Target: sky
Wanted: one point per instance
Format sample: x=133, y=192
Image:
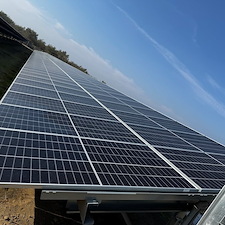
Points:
x=167, y=54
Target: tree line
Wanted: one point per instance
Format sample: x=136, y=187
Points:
x=39, y=44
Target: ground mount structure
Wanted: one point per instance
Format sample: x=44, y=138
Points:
x=78, y=139
x=7, y=31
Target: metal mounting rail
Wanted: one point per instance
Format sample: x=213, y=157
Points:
x=215, y=214
x=87, y=202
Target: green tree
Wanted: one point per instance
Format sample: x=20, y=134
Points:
x=39, y=44
x=32, y=36
x=7, y=19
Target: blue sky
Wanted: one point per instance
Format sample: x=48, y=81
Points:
x=168, y=54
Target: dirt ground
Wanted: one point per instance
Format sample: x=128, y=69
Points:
x=24, y=207
x=17, y=206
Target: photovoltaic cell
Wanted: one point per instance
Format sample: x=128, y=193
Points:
x=33, y=101
x=66, y=85
x=173, y=125
x=161, y=137
x=37, y=77
x=79, y=99
x=130, y=165
x=35, y=83
x=77, y=92
x=118, y=107
x=102, y=129
x=35, y=120
x=137, y=119
x=39, y=158
x=220, y=157
x=53, y=131
x=199, y=166
x=151, y=113
x=34, y=91
x=85, y=110
x=202, y=143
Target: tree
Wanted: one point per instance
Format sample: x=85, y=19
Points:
x=32, y=36
x=63, y=56
x=39, y=44
x=7, y=19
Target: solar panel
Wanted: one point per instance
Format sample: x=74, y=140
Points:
x=33, y=101
x=60, y=127
x=34, y=91
x=35, y=120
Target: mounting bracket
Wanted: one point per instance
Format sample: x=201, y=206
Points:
x=84, y=207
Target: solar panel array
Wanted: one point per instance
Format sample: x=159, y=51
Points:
x=61, y=127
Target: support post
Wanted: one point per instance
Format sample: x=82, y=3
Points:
x=199, y=207
x=84, y=207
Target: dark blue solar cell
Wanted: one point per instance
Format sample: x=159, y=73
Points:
x=39, y=144
x=35, y=176
x=2, y=159
x=53, y=177
x=62, y=178
x=44, y=177
x=35, y=120
x=43, y=164
x=16, y=175
x=36, y=102
x=34, y=83
x=26, y=176
x=34, y=91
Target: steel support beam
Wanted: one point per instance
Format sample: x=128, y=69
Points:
x=84, y=207
x=187, y=217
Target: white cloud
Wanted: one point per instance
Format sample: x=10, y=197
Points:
x=22, y=12
x=53, y=32
x=214, y=84
x=180, y=67
x=195, y=33
x=59, y=26
x=103, y=70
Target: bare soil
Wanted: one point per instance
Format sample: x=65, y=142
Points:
x=24, y=207
x=17, y=206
